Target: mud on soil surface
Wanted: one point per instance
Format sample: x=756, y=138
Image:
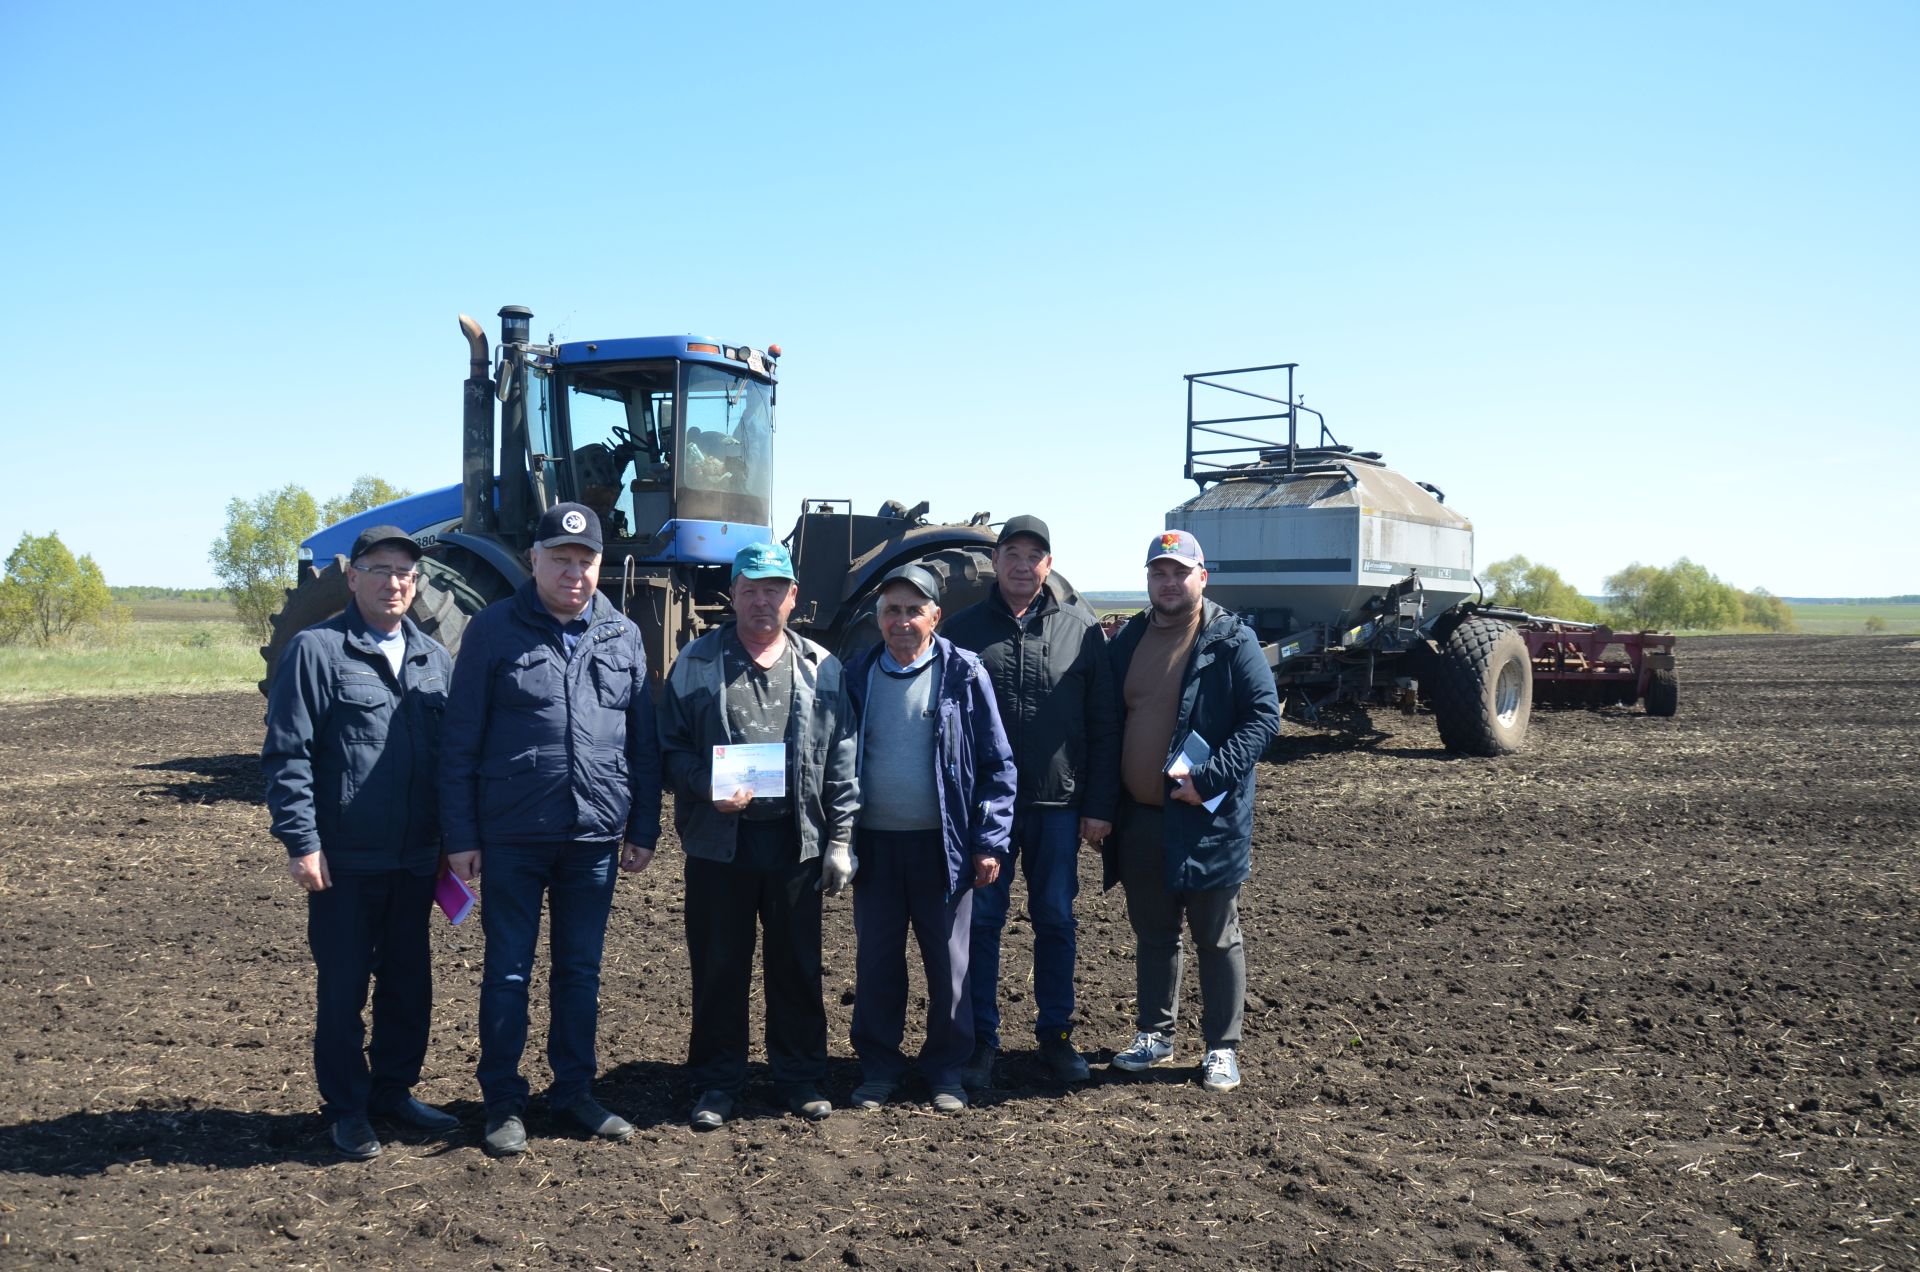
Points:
x=1644, y=996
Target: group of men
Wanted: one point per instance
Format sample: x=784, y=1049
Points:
x=919, y=772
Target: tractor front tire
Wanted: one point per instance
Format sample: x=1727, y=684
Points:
x=1483, y=689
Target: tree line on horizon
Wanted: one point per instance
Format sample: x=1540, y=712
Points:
x=1684, y=596
x=48, y=595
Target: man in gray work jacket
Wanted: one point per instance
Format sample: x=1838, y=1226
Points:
x=551, y=775
x=353, y=730
x=757, y=856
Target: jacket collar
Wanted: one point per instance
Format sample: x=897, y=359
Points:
x=708, y=650
x=1042, y=605
x=526, y=603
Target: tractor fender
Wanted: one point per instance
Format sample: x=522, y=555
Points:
x=510, y=565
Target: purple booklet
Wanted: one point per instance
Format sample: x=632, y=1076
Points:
x=453, y=896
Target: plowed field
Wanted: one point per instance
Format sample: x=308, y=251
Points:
x=1643, y=996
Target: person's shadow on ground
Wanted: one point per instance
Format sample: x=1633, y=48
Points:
x=84, y=1144
x=224, y=778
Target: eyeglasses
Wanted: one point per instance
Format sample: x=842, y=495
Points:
x=405, y=578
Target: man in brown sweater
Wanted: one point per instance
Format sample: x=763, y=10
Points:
x=1199, y=707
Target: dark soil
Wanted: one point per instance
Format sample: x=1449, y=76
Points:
x=1643, y=996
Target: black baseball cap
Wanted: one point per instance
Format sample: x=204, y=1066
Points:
x=1032, y=527
x=568, y=523
x=917, y=577
x=379, y=536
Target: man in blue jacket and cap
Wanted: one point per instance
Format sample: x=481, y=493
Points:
x=353, y=730
x=551, y=777
x=937, y=785
x=1199, y=707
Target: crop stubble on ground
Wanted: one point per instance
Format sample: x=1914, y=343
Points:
x=1642, y=997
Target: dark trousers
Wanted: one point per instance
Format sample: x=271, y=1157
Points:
x=576, y=882
x=902, y=883
x=370, y=926
x=766, y=887
x=1213, y=916
x=1046, y=844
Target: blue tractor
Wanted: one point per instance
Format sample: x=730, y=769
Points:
x=670, y=440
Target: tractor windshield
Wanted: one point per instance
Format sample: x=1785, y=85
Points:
x=726, y=448
x=641, y=456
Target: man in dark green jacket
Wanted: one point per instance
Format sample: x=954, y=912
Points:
x=353, y=732
x=1200, y=708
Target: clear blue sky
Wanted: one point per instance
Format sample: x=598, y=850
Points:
x=1629, y=281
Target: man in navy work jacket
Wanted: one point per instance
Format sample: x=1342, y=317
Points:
x=937, y=785
x=551, y=775
x=1053, y=683
x=759, y=859
x=353, y=731
x=1193, y=681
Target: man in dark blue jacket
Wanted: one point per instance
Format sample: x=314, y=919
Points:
x=353, y=730
x=551, y=775
x=937, y=786
x=1200, y=707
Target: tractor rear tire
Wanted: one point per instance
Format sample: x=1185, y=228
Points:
x=1483, y=689
x=1663, y=692
x=455, y=584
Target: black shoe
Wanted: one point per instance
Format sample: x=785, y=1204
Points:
x=593, y=1119
x=353, y=1136
x=977, y=1073
x=506, y=1135
x=805, y=1101
x=1063, y=1062
x=421, y=1117
x=712, y=1112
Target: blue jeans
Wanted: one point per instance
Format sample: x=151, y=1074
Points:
x=577, y=881
x=1046, y=842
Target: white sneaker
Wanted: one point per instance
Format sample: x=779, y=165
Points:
x=1148, y=1049
x=1220, y=1071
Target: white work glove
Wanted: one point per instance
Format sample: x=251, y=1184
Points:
x=836, y=868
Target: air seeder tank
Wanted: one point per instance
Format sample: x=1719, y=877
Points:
x=1303, y=536
x=1313, y=541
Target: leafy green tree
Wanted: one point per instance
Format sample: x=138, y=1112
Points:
x=1687, y=596
x=1875, y=623
x=257, y=555
x=46, y=593
x=1630, y=596
x=367, y=492
x=1538, y=589
x=1762, y=609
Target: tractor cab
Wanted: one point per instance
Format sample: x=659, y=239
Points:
x=668, y=438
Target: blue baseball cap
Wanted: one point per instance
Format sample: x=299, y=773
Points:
x=763, y=561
